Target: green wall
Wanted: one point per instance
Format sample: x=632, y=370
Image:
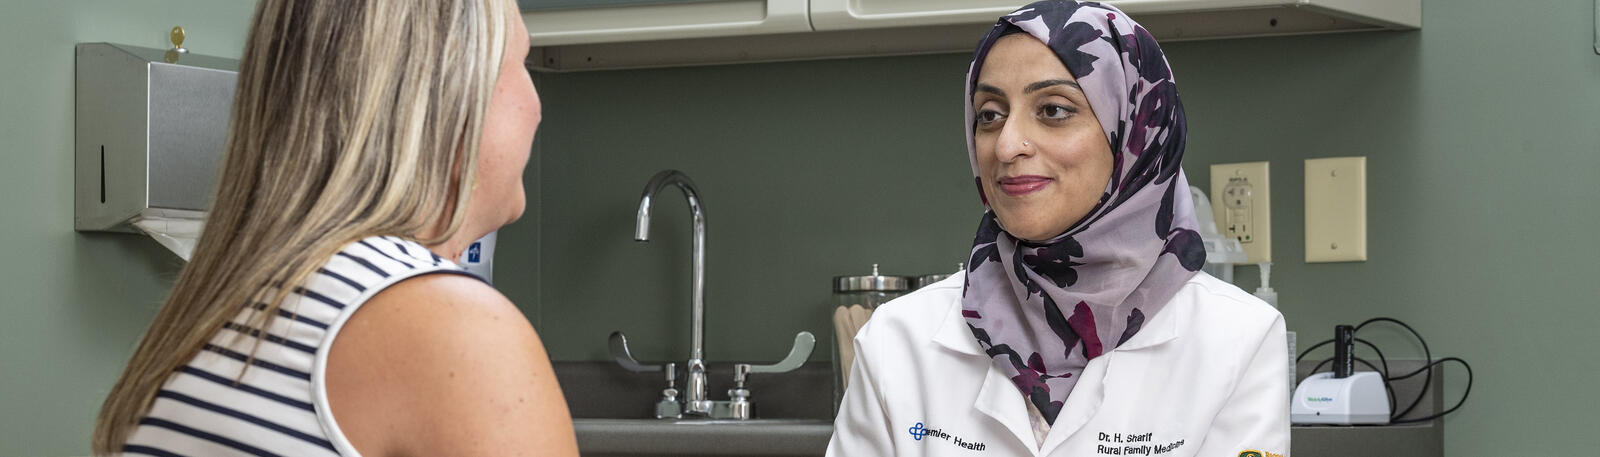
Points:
x=1479, y=132
x=75, y=304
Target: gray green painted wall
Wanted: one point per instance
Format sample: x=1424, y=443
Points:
x=74, y=304
x=1479, y=131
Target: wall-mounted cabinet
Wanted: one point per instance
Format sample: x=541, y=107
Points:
x=566, y=22
x=604, y=34
x=1192, y=19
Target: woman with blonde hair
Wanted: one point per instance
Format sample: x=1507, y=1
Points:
x=371, y=141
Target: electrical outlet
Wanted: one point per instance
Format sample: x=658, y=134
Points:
x=1336, y=209
x=1243, y=206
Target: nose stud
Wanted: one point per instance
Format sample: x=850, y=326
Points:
x=1024, y=144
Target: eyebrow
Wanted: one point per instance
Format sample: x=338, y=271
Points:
x=1051, y=82
x=1035, y=87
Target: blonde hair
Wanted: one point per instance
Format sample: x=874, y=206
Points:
x=351, y=118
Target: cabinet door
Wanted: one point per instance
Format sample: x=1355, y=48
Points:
x=563, y=22
x=865, y=14
x=1202, y=18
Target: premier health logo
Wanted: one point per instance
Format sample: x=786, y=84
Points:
x=920, y=430
x=917, y=432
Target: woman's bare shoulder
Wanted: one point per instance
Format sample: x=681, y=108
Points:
x=445, y=364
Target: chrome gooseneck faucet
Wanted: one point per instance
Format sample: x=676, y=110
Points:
x=738, y=405
x=695, y=401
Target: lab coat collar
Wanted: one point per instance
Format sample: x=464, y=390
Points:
x=997, y=398
x=1160, y=328
x=1081, y=404
x=953, y=332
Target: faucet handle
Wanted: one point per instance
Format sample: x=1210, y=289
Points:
x=620, y=353
x=804, y=342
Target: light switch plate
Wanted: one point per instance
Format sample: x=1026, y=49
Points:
x=1336, y=209
x=1243, y=206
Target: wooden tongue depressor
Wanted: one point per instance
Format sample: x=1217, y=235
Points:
x=858, y=319
x=844, y=333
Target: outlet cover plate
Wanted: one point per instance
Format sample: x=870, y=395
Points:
x=1258, y=248
x=1336, y=209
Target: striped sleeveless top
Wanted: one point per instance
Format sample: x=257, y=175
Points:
x=280, y=406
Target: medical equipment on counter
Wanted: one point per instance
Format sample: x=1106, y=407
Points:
x=1347, y=397
x=1343, y=397
x=1325, y=398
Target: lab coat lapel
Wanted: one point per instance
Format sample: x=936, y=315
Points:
x=1000, y=400
x=1081, y=405
x=998, y=397
x=1089, y=394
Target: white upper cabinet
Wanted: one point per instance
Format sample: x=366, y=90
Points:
x=570, y=35
x=564, y=22
x=1169, y=19
x=863, y=14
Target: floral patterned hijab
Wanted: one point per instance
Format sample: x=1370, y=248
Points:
x=1043, y=310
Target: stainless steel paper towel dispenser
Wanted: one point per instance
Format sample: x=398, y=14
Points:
x=151, y=129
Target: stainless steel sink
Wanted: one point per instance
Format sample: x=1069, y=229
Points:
x=656, y=437
x=612, y=410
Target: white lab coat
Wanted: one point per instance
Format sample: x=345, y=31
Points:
x=1206, y=376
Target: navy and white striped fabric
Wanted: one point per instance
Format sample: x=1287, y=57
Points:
x=280, y=406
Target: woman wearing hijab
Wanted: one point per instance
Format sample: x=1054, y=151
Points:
x=1082, y=325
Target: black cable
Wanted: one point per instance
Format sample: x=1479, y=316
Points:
x=1381, y=359
x=1426, y=354
x=1452, y=409
x=1312, y=348
x=1319, y=366
x=1413, y=373
x=1387, y=379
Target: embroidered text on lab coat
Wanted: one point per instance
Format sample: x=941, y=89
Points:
x=919, y=431
x=1133, y=444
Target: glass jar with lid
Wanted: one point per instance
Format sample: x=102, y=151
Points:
x=854, y=298
x=869, y=290
x=928, y=280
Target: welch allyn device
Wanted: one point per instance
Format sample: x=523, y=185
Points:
x=1345, y=396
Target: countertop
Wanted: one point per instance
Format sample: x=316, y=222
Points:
x=611, y=407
